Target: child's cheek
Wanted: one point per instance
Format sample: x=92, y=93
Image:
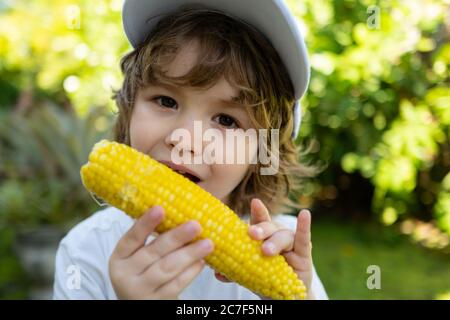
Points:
x=241, y=149
x=144, y=129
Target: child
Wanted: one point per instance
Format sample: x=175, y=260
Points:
x=210, y=64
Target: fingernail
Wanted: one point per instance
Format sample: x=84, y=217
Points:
x=156, y=212
x=257, y=231
x=192, y=226
x=206, y=244
x=305, y=211
x=269, y=247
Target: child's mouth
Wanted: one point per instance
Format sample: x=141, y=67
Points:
x=189, y=176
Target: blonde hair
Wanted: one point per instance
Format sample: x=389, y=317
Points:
x=232, y=49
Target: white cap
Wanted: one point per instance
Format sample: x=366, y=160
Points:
x=271, y=17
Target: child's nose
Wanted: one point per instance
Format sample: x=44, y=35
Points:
x=187, y=137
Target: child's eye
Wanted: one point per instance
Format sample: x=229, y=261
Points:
x=165, y=101
x=227, y=121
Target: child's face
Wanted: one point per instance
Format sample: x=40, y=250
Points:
x=158, y=111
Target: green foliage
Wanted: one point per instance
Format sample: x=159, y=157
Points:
x=443, y=204
x=379, y=100
x=41, y=156
x=62, y=47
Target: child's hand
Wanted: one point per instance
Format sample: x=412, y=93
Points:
x=163, y=268
x=295, y=247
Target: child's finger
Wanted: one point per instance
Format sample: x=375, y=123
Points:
x=262, y=230
x=164, y=244
x=280, y=241
x=174, y=287
x=136, y=236
x=170, y=266
x=299, y=263
x=258, y=212
x=302, y=242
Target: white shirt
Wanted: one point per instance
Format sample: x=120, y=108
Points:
x=83, y=255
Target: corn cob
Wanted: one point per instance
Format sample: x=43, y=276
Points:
x=134, y=182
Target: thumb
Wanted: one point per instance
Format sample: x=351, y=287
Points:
x=258, y=212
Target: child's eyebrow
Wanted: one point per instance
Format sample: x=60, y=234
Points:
x=168, y=87
x=232, y=102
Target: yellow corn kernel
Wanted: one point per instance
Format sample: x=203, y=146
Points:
x=134, y=182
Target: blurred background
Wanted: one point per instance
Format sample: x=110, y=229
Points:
x=376, y=116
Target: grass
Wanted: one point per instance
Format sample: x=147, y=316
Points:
x=342, y=252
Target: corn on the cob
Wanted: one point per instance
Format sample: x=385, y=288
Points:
x=134, y=182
